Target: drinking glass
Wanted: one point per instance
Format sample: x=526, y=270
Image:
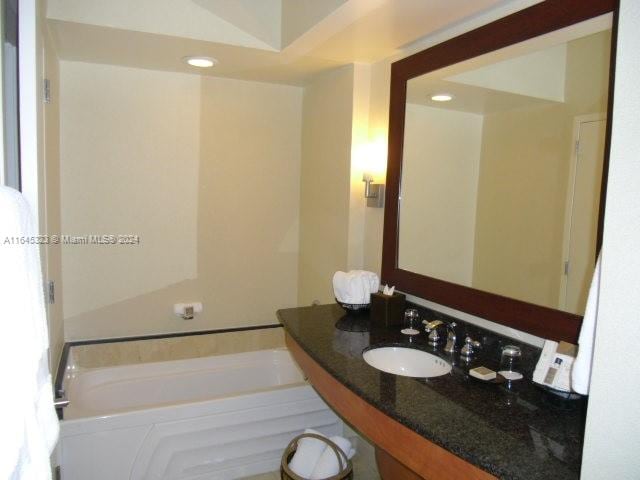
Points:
x=411, y=322
x=510, y=363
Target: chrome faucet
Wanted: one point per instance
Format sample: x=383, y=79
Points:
x=432, y=329
x=61, y=400
x=470, y=346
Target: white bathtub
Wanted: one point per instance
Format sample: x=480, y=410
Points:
x=220, y=417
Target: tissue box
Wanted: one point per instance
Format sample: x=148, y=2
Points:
x=387, y=311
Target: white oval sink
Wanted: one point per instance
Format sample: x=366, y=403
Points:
x=407, y=362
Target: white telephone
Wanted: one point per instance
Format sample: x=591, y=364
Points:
x=554, y=367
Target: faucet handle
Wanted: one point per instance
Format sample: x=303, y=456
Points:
x=432, y=329
x=469, y=346
x=431, y=325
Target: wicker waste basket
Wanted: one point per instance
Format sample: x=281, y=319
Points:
x=346, y=468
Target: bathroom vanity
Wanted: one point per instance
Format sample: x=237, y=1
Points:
x=447, y=427
x=497, y=165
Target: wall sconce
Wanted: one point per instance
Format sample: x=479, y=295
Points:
x=373, y=192
x=371, y=160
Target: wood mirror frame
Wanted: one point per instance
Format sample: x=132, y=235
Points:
x=542, y=18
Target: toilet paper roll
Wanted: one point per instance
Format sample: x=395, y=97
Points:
x=179, y=308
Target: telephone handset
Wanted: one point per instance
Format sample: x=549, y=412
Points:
x=554, y=367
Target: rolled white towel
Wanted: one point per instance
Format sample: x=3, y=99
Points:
x=372, y=282
x=307, y=454
x=347, y=287
x=358, y=287
x=341, y=287
x=355, y=286
x=328, y=465
x=375, y=283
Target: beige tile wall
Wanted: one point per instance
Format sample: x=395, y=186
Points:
x=189, y=124
x=176, y=348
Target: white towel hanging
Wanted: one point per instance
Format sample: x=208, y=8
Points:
x=29, y=423
x=581, y=372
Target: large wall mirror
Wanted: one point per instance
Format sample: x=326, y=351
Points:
x=497, y=161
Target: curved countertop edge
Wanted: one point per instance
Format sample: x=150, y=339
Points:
x=408, y=447
x=312, y=327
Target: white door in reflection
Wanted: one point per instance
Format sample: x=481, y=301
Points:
x=581, y=224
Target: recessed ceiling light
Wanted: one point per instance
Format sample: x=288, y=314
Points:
x=202, y=62
x=441, y=97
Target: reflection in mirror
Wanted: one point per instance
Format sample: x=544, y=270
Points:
x=500, y=187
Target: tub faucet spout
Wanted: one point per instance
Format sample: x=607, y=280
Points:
x=61, y=402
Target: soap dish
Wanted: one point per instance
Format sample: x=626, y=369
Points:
x=497, y=380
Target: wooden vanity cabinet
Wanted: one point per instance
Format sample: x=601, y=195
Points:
x=401, y=453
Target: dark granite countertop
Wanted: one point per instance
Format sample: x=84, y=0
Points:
x=523, y=433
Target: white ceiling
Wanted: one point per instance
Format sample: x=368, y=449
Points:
x=540, y=74
x=282, y=41
x=528, y=74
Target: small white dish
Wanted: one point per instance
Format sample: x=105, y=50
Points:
x=508, y=375
x=409, y=331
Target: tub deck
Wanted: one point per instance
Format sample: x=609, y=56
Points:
x=112, y=390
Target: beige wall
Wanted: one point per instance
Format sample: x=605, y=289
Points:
x=519, y=242
x=130, y=154
x=205, y=171
x=110, y=354
x=361, y=152
x=378, y=122
x=325, y=183
x=433, y=240
x=335, y=152
x=249, y=200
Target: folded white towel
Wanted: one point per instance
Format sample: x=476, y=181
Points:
x=361, y=285
x=374, y=283
x=581, y=372
x=328, y=464
x=29, y=423
x=340, y=290
x=307, y=454
x=355, y=287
